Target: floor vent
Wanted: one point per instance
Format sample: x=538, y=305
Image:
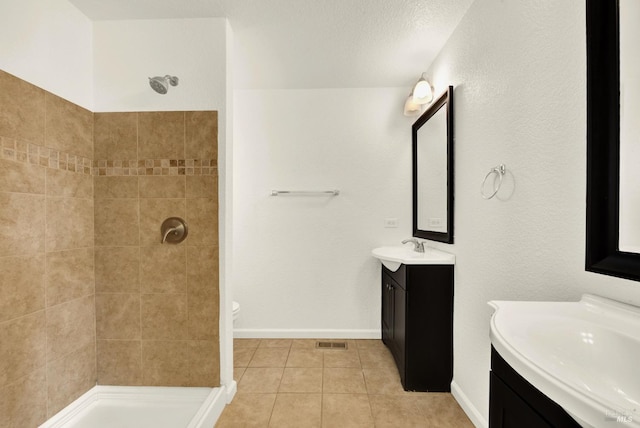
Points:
x=331, y=345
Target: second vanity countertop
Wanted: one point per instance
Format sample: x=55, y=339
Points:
x=583, y=355
x=393, y=257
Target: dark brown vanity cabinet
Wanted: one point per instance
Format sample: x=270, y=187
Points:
x=515, y=403
x=417, y=324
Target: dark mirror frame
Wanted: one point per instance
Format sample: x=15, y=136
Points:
x=445, y=100
x=603, y=144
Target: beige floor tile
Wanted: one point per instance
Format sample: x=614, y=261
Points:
x=374, y=357
x=246, y=343
x=238, y=372
x=303, y=344
x=275, y=343
x=369, y=343
x=392, y=411
x=242, y=356
x=442, y=410
x=344, y=359
x=289, y=383
x=301, y=380
x=382, y=381
x=297, y=411
x=305, y=358
x=343, y=381
x=346, y=411
x=247, y=410
x=263, y=380
x=269, y=357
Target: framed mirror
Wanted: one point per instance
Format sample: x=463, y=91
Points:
x=613, y=216
x=432, y=136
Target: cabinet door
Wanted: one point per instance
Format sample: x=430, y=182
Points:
x=512, y=398
x=387, y=310
x=399, y=328
x=508, y=410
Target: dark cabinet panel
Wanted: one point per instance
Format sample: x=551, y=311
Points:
x=515, y=403
x=400, y=329
x=388, y=303
x=417, y=324
x=508, y=410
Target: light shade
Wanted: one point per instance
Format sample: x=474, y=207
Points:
x=422, y=93
x=411, y=108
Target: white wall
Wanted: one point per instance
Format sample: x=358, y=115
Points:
x=48, y=43
x=520, y=99
x=225, y=227
x=303, y=265
x=127, y=53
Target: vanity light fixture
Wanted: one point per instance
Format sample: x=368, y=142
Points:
x=421, y=94
x=411, y=108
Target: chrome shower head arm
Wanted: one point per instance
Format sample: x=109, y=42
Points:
x=173, y=80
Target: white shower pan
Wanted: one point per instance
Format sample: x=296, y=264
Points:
x=135, y=407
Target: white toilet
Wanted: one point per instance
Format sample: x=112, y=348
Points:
x=236, y=310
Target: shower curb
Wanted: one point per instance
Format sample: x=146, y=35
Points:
x=213, y=401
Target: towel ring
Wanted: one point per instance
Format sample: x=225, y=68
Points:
x=499, y=171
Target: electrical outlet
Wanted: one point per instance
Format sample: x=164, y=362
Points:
x=390, y=222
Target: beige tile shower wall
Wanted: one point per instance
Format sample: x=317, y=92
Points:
x=156, y=304
x=47, y=309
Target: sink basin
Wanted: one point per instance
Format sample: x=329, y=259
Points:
x=393, y=257
x=583, y=355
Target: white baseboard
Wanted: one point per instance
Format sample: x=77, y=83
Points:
x=247, y=333
x=476, y=418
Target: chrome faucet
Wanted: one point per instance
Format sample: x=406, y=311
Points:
x=418, y=246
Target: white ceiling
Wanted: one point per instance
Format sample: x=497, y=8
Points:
x=313, y=43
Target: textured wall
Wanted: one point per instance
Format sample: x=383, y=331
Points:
x=156, y=305
x=128, y=52
x=47, y=333
x=303, y=265
x=49, y=43
x=518, y=69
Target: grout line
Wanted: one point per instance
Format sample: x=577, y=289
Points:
x=139, y=282
x=93, y=248
x=46, y=302
x=137, y=136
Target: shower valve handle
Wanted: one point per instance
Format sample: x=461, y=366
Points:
x=173, y=230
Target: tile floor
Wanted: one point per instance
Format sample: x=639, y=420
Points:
x=289, y=383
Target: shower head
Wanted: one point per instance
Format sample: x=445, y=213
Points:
x=161, y=84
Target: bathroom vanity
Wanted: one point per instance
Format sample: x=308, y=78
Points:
x=417, y=316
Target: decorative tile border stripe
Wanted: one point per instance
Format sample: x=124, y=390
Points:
x=34, y=154
x=20, y=151
x=155, y=167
